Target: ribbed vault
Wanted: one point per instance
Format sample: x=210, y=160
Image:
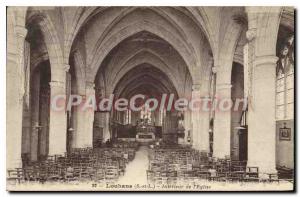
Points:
x=108, y=27
x=144, y=79
x=145, y=56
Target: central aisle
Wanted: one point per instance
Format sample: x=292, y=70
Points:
x=136, y=170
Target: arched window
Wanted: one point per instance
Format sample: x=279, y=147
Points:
x=128, y=117
x=285, y=81
x=162, y=113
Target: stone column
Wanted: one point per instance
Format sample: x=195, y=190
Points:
x=165, y=123
x=58, y=118
x=106, y=132
x=261, y=116
x=34, y=101
x=187, y=125
x=196, y=117
x=26, y=131
x=14, y=95
x=173, y=121
x=79, y=124
x=44, y=121
x=101, y=120
x=83, y=134
x=204, y=116
x=237, y=93
x=200, y=120
x=26, y=123
x=261, y=96
x=155, y=117
x=235, y=147
x=204, y=131
x=90, y=91
x=222, y=121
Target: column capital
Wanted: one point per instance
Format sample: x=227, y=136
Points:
x=59, y=71
x=196, y=87
x=57, y=84
x=21, y=31
x=265, y=60
x=223, y=86
x=251, y=34
x=89, y=88
x=214, y=69
x=60, y=68
x=211, y=61
x=98, y=88
x=90, y=85
x=66, y=68
x=219, y=69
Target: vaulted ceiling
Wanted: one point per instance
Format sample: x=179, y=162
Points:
x=104, y=43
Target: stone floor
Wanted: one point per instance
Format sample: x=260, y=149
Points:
x=136, y=171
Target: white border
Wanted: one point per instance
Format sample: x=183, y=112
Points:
x=152, y=3
x=3, y=5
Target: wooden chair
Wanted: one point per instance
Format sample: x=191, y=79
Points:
x=252, y=174
x=15, y=175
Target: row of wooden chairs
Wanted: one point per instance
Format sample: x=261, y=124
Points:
x=100, y=164
x=126, y=144
x=184, y=163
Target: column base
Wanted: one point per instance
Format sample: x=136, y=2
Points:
x=204, y=151
x=181, y=141
x=268, y=175
x=221, y=155
x=196, y=146
x=85, y=145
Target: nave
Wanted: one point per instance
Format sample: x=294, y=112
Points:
x=168, y=55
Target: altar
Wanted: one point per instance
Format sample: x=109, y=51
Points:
x=145, y=137
x=145, y=133
x=145, y=128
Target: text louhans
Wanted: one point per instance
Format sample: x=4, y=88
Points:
x=138, y=102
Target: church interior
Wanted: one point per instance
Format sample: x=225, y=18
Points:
x=189, y=52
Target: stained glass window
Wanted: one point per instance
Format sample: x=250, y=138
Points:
x=128, y=117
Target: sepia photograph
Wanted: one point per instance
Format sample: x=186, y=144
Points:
x=150, y=98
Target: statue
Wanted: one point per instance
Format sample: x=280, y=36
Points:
x=286, y=58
